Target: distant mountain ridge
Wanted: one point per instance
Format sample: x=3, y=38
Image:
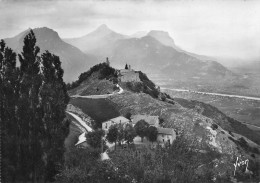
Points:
x=73, y=60
x=155, y=52
x=96, y=40
x=163, y=37
x=152, y=52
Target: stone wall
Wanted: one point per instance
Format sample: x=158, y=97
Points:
x=129, y=76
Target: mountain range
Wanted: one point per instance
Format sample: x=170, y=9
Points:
x=73, y=60
x=153, y=52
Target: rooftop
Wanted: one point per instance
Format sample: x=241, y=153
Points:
x=119, y=119
x=167, y=131
x=151, y=120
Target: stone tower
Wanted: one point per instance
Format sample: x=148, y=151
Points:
x=107, y=61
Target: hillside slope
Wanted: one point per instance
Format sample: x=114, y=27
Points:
x=202, y=125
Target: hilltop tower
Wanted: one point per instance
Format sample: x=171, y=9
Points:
x=126, y=66
x=107, y=61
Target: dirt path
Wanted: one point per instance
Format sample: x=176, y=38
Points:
x=99, y=96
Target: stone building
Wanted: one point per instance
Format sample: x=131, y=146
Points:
x=129, y=75
x=165, y=135
x=118, y=120
x=151, y=120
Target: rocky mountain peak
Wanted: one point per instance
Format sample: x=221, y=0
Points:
x=45, y=33
x=102, y=30
x=163, y=37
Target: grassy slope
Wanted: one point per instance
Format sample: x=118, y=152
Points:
x=99, y=110
x=221, y=119
x=72, y=138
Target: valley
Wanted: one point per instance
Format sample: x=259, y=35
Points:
x=241, y=108
x=130, y=91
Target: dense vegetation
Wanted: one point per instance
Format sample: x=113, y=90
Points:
x=33, y=102
x=105, y=72
x=176, y=163
x=84, y=165
x=146, y=86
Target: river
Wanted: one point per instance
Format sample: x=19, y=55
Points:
x=216, y=94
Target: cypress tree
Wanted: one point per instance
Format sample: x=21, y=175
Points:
x=8, y=97
x=33, y=100
x=29, y=112
x=54, y=99
x=126, y=66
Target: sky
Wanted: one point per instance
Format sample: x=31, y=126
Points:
x=228, y=29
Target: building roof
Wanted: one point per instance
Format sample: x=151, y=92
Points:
x=166, y=131
x=151, y=120
x=126, y=71
x=119, y=119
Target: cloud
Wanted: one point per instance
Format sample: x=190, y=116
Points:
x=224, y=28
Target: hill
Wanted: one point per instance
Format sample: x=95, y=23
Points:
x=201, y=124
x=73, y=60
x=102, y=79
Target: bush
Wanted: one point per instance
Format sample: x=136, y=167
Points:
x=128, y=115
x=214, y=126
x=105, y=72
x=115, y=88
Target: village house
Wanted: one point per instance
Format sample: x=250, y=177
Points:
x=151, y=120
x=118, y=120
x=165, y=135
x=128, y=75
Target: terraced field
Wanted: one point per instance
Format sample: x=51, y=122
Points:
x=99, y=110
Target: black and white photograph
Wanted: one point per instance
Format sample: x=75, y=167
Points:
x=130, y=91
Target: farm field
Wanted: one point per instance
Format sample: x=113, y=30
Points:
x=98, y=109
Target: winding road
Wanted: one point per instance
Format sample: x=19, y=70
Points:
x=99, y=96
x=82, y=124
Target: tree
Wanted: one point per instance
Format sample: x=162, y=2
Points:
x=178, y=163
x=126, y=66
x=54, y=99
x=8, y=121
x=34, y=101
x=161, y=121
x=95, y=138
x=130, y=133
x=79, y=163
x=152, y=133
x=128, y=115
x=121, y=133
x=83, y=165
x=112, y=134
x=141, y=128
x=29, y=111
